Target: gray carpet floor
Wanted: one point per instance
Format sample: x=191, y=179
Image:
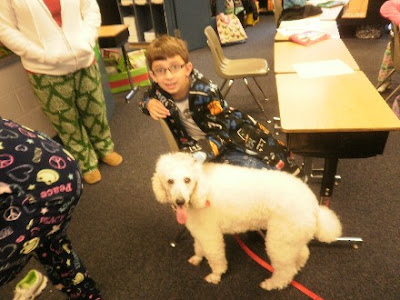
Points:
x=122, y=234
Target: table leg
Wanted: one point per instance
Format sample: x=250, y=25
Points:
x=134, y=89
x=328, y=180
x=327, y=184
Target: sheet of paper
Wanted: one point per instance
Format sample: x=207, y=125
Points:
x=288, y=28
x=322, y=68
x=316, y=2
x=329, y=14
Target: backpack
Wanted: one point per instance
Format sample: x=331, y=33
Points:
x=230, y=29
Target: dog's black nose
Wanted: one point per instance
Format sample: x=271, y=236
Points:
x=180, y=202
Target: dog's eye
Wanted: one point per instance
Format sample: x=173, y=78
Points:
x=170, y=181
x=187, y=180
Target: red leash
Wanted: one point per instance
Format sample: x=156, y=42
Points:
x=265, y=265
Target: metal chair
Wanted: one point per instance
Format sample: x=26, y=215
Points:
x=277, y=11
x=231, y=69
x=172, y=144
x=395, y=52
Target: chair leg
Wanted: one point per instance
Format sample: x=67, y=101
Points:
x=265, y=97
x=392, y=93
x=223, y=85
x=230, y=83
x=179, y=237
x=277, y=125
x=255, y=99
x=386, y=79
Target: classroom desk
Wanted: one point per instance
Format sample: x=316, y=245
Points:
x=355, y=9
x=286, y=28
x=288, y=53
x=116, y=36
x=333, y=117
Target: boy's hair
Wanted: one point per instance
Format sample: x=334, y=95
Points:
x=164, y=47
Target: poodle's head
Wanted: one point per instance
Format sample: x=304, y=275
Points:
x=176, y=181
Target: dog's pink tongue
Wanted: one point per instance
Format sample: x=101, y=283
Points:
x=181, y=215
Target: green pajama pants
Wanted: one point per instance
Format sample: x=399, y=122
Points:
x=75, y=105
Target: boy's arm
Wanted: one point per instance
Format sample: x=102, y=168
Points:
x=151, y=106
x=146, y=98
x=208, y=148
x=391, y=10
x=212, y=145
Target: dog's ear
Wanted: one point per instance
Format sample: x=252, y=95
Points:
x=158, y=189
x=200, y=192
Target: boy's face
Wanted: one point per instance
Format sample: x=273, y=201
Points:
x=172, y=75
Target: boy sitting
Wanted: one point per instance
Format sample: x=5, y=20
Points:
x=200, y=119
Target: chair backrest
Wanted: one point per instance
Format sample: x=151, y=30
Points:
x=172, y=144
x=277, y=10
x=396, y=47
x=216, y=50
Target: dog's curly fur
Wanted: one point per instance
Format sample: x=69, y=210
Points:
x=215, y=199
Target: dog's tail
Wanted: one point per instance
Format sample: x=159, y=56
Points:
x=328, y=227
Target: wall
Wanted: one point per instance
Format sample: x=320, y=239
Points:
x=17, y=101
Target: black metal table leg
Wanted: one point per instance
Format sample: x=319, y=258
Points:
x=133, y=89
x=328, y=180
x=327, y=184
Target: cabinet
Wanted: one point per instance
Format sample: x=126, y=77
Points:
x=145, y=18
x=266, y=5
x=150, y=18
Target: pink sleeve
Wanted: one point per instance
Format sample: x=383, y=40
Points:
x=391, y=10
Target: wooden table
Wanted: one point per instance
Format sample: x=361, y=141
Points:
x=288, y=53
x=355, y=9
x=333, y=117
x=116, y=36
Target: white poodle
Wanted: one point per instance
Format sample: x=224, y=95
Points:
x=214, y=199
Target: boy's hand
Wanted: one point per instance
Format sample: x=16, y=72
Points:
x=157, y=110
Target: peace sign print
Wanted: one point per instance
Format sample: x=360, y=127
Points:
x=57, y=162
x=6, y=160
x=12, y=213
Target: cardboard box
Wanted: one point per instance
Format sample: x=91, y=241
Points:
x=119, y=82
x=118, y=76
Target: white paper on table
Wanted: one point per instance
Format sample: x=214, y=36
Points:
x=316, y=2
x=288, y=28
x=302, y=23
x=329, y=14
x=322, y=68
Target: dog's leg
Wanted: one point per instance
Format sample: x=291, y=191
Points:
x=303, y=257
x=284, y=256
x=214, y=249
x=198, y=254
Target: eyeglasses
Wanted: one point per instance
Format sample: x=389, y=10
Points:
x=173, y=70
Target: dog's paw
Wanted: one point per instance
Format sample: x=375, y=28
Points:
x=270, y=285
x=213, y=278
x=195, y=260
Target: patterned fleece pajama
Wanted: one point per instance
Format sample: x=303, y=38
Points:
x=74, y=103
x=40, y=185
